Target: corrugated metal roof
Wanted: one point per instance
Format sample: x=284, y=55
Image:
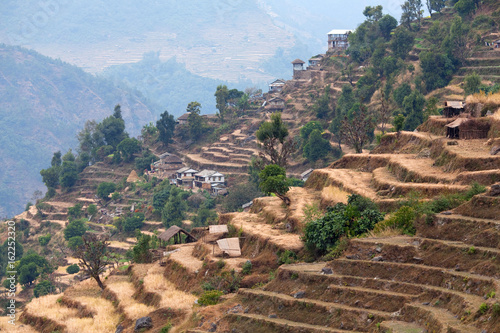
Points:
x=216, y=229
x=206, y=173
x=339, y=32
x=454, y=104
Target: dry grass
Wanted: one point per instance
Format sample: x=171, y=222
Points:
x=331, y=195
x=6, y=327
x=105, y=319
x=171, y=297
x=185, y=257
x=484, y=99
x=47, y=306
x=124, y=291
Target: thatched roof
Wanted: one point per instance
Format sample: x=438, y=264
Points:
x=298, y=61
x=172, y=231
x=132, y=177
x=457, y=122
x=231, y=246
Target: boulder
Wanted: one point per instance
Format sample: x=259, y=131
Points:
x=144, y=322
x=494, y=190
x=299, y=294
x=495, y=150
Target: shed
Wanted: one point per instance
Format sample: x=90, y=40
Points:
x=453, y=108
x=219, y=228
x=175, y=232
x=230, y=246
x=465, y=128
x=305, y=175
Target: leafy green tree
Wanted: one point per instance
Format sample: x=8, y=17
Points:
x=31, y=266
x=273, y=180
x=43, y=288
x=113, y=130
x=56, y=159
x=174, y=211
x=166, y=127
x=437, y=69
x=431, y=107
x=435, y=5
x=75, y=228
x=240, y=195
x=69, y=174
x=117, y=112
x=472, y=84
x=373, y=13
x=308, y=128
x=133, y=222
x=72, y=269
x=195, y=123
x=128, y=147
x=105, y=189
x=44, y=240
x=402, y=42
x=322, y=107
x=398, y=122
x=92, y=210
x=413, y=106
x=316, y=147
x=75, y=212
x=19, y=250
x=204, y=216
x=400, y=93
x=221, y=97
x=141, y=253
x=411, y=11
x=465, y=7
x=386, y=24
x=28, y=273
x=144, y=162
x=91, y=139
x=274, y=141
x=75, y=242
x=50, y=176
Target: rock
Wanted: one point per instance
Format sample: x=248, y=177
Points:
x=246, y=310
x=452, y=143
x=299, y=294
x=144, y=322
x=495, y=150
x=447, y=213
x=494, y=190
x=457, y=268
x=489, y=142
x=426, y=303
x=213, y=327
x=378, y=249
x=236, y=309
x=352, y=256
x=119, y=329
x=326, y=270
x=273, y=316
x=378, y=258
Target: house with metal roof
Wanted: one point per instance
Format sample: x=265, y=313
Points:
x=337, y=39
x=207, y=179
x=185, y=176
x=183, y=119
x=276, y=85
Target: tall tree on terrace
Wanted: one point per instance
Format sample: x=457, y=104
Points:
x=412, y=10
x=166, y=127
x=92, y=256
x=221, y=97
x=195, y=122
x=274, y=141
x=357, y=127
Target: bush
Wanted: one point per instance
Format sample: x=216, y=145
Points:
x=402, y=219
x=286, y=257
x=210, y=297
x=45, y=287
x=133, y=222
x=105, y=189
x=75, y=242
x=246, y=268
x=73, y=269
x=357, y=217
x=75, y=228
x=44, y=240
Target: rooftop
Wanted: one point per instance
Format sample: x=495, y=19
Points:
x=339, y=32
x=298, y=61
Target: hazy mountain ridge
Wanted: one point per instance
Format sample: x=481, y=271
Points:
x=44, y=103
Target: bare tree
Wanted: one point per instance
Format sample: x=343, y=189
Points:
x=275, y=143
x=92, y=256
x=356, y=127
x=385, y=111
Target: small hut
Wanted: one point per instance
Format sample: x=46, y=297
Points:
x=453, y=108
x=230, y=246
x=465, y=128
x=176, y=232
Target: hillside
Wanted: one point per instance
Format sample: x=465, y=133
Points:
x=44, y=103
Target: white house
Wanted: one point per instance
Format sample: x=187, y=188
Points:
x=276, y=86
x=337, y=39
x=185, y=176
x=208, y=178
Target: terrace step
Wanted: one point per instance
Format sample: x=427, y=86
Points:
x=430, y=252
x=244, y=321
x=416, y=274
x=384, y=180
x=437, y=319
x=470, y=230
x=396, y=326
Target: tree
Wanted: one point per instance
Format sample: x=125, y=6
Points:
x=91, y=210
x=31, y=266
x=90, y=140
x=56, y=159
x=240, y=195
x=316, y=147
x=385, y=110
x=75, y=228
x=413, y=106
x=402, y=42
x=50, y=176
x=113, y=130
x=92, y=256
x=117, y=112
x=465, y=7
x=273, y=180
x=435, y=5
x=357, y=127
x=472, y=84
x=274, y=141
x=133, y=222
x=75, y=242
x=373, y=14
x=437, y=69
x=144, y=162
x=400, y=93
x=141, y=253
x=221, y=97
x=28, y=273
x=412, y=10
x=105, y=189
x=72, y=269
x=128, y=147
x=75, y=212
x=69, y=174
x=43, y=288
x=322, y=106
x=386, y=24
x=166, y=127
x=195, y=122
x=173, y=212
x=308, y=128
x=398, y=122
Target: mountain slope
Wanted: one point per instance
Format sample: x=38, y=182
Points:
x=44, y=102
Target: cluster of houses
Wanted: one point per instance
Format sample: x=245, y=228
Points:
x=171, y=167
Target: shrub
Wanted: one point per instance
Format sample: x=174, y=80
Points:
x=45, y=287
x=210, y=297
x=401, y=219
x=44, y=240
x=105, y=189
x=220, y=264
x=246, y=268
x=73, y=269
x=286, y=257
x=166, y=328
x=483, y=308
